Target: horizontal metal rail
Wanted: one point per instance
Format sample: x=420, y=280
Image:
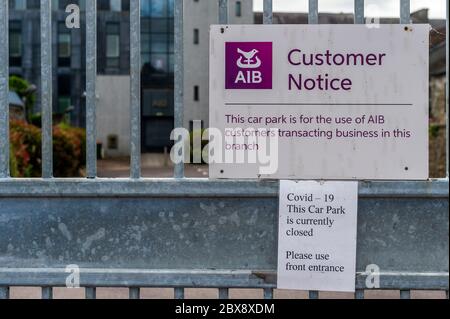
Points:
x=198, y=187
x=166, y=278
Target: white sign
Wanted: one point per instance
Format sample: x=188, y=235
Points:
x=319, y=101
x=317, y=235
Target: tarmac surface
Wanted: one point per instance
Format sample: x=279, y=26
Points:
x=152, y=165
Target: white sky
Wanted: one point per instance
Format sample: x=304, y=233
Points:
x=387, y=8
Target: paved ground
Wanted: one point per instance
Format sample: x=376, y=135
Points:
x=153, y=165
x=167, y=293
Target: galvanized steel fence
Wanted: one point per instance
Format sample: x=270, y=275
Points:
x=182, y=232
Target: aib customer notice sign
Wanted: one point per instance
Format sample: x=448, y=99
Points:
x=319, y=101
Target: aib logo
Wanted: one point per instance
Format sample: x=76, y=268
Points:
x=248, y=65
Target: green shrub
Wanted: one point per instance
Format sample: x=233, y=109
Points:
x=434, y=130
x=14, y=169
x=69, y=145
x=25, y=149
x=36, y=119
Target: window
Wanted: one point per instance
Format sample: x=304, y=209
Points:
x=15, y=43
x=61, y=4
x=64, y=48
x=113, y=142
x=63, y=103
x=112, y=44
x=64, y=45
x=157, y=41
x=18, y=4
x=33, y=4
x=156, y=8
x=196, y=93
x=115, y=5
x=64, y=89
x=82, y=5
x=196, y=36
x=103, y=5
x=238, y=9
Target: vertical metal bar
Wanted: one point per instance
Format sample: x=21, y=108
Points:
x=4, y=90
x=359, y=11
x=47, y=293
x=91, y=292
x=359, y=294
x=223, y=11
x=91, y=91
x=135, y=85
x=268, y=293
x=46, y=88
x=313, y=295
x=135, y=293
x=223, y=293
x=405, y=294
x=268, y=12
x=313, y=12
x=179, y=76
x=4, y=291
x=447, y=93
x=179, y=293
x=405, y=12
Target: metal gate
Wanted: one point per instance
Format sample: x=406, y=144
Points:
x=183, y=233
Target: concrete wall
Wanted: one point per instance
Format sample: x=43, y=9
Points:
x=200, y=15
x=113, y=112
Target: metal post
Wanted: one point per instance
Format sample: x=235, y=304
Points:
x=4, y=90
x=134, y=293
x=223, y=11
x=313, y=294
x=359, y=294
x=405, y=294
x=91, y=92
x=447, y=92
x=4, y=291
x=268, y=293
x=268, y=12
x=313, y=12
x=179, y=293
x=179, y=76
x=46, y=88
x=135, y=85
x=359, y=11
x=223, y=293
x=47, y=293
x=405, y=12
x=91, y=293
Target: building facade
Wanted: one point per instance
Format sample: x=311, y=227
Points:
x=199, y=15
x=113, y=54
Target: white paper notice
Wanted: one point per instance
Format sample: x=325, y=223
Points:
x=317, y=235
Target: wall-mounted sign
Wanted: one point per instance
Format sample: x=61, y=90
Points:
x=317, y=235
x=319, y=101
